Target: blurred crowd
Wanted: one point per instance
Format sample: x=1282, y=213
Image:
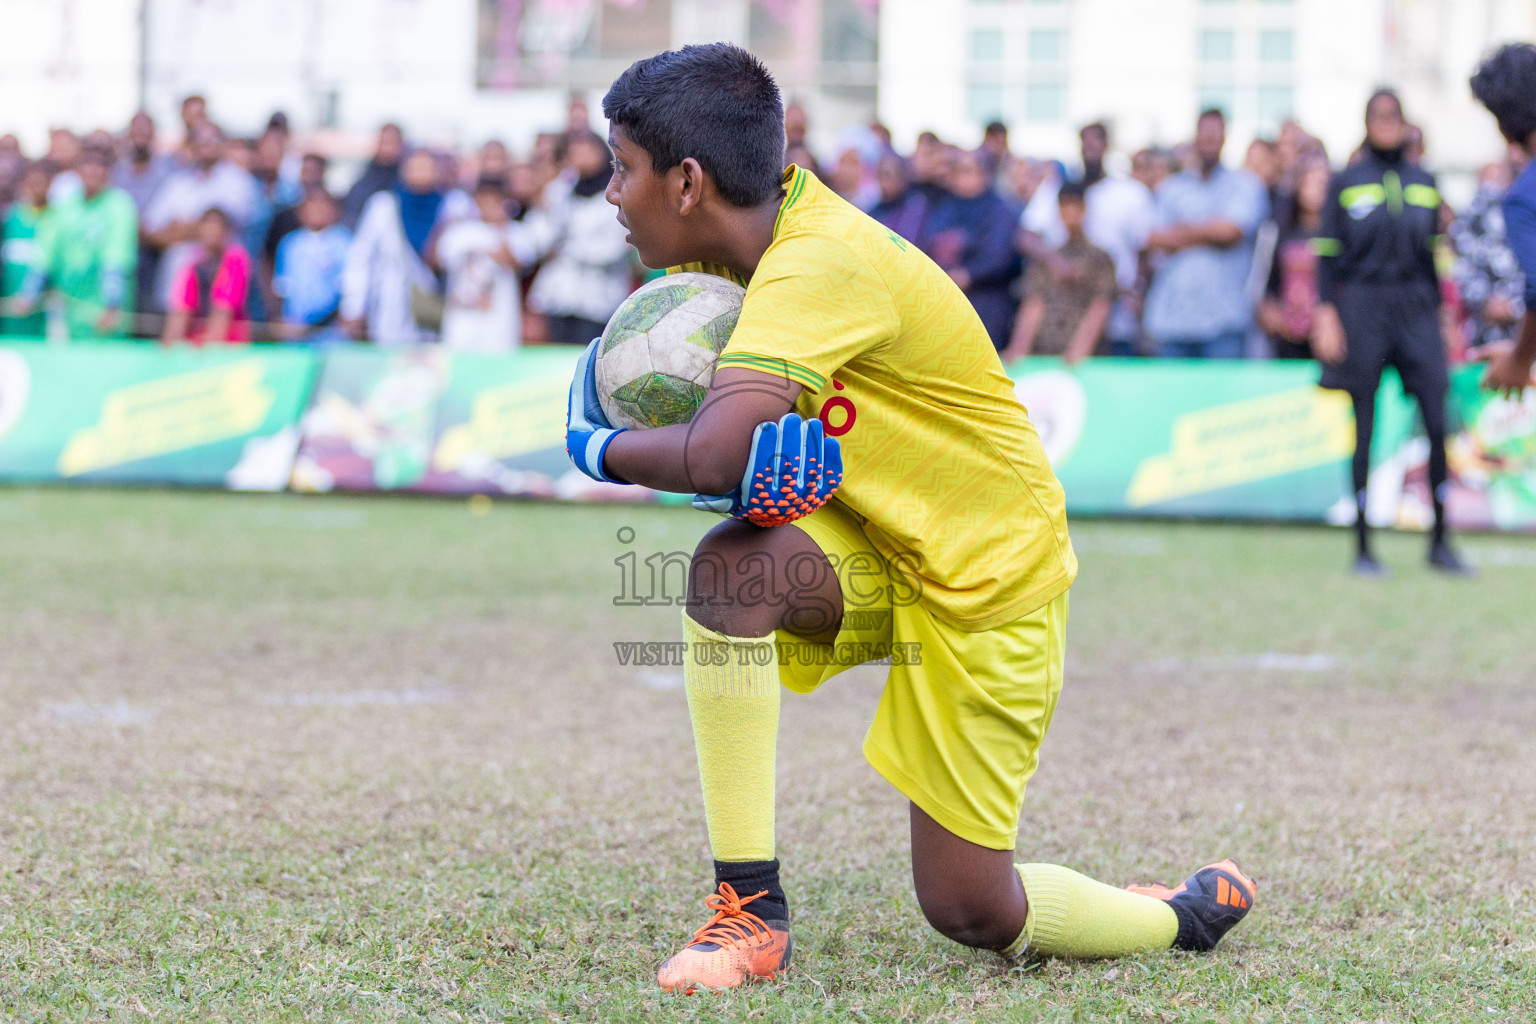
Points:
x=214, y=238
x=207, y=237
x=1187, y=254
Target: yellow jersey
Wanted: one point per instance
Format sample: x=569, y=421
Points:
x=941, y=464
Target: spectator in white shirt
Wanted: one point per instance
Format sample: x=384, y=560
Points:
x=389, y=292
x=586, y=273
x=1119, y=219
x=482, y=257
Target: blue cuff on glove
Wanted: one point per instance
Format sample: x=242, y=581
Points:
x=587, y=430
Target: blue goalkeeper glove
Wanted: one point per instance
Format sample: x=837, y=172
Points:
x=792, y=470
x=587, y=431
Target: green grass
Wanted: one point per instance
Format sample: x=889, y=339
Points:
x=335, y=759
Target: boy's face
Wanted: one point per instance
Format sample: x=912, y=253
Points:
x=656, y=228
x=317, y=213
x=95, y=175
x=491, y=205
x=34, y=187
x=211, y=233
x=1072, y=211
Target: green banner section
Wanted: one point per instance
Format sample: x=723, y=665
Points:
x=1492, y=459
x=135, y=413
x=425, y=419
x=1143, y=437
x=1195, y=438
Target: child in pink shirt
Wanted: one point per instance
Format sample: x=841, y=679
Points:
x=208, y=301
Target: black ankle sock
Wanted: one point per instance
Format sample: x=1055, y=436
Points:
x=749, y=877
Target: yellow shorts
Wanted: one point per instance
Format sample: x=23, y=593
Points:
x=959, y=726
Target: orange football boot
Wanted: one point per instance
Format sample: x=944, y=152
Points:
x=735, y=946
x=1207, y=903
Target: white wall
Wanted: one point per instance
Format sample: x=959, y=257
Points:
x=66, y=63
x=75, y=63
x=1135, y=63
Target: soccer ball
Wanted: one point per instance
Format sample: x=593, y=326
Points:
x=658, y=352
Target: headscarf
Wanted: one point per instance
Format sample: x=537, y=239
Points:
x=418, y=215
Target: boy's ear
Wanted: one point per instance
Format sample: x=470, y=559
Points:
x=693, y=183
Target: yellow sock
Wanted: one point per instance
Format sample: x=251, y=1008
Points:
x=1071, y=915
x=733, y=699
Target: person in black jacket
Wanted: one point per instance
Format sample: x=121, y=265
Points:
x=1381, y=305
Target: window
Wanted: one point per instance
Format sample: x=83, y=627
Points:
x=1045, y=45
x=1217, y=45
x=987, y=44
x=1275, y=104
x=984, y=101
x=1043, y=101
x=1276, y=45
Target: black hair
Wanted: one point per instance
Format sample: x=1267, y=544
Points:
x=716, y=103
x=96, y=155
x=1216, y=112
x=491, y=183
x=1096, y=126
x=220, y=214
x=1072, y=192
x=995, y=128
x=1505, y=83
x=1385, y=93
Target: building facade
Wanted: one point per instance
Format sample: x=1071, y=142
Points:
x=1147, y=67
x=453, y=71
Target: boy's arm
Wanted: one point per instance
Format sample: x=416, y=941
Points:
x=709, y=454
x=1511, y=372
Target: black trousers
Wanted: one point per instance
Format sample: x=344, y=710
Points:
x=1395, y=325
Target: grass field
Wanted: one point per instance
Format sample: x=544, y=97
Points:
x=277, y=758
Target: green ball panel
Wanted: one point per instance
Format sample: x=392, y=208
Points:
x=714, y=334
x=645, y=309
x=660, y=400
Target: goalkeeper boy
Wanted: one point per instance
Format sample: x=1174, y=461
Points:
x=945, y=542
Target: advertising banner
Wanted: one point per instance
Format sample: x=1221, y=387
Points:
x=1492, y=459
x=1126, y=437
x=1185, y=438
x=428, y=420
x=131, y=412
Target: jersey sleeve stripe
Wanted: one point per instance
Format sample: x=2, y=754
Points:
x=795, y=188
x=775, y=365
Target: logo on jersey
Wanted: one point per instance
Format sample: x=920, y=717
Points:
x=837, y=414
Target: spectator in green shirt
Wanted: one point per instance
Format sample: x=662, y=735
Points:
x=18, y=250
x=86, y=249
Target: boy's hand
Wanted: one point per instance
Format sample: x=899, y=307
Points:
x=792, y=470
x=587, y=431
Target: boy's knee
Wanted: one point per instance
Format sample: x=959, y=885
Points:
x=980, y=924
x=715, y=579
x=747, y=580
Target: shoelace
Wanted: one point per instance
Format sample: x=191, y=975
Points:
x=731, y=923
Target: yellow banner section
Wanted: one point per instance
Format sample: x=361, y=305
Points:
x=524, y=416
x=169, y=415
x=1241, y=442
